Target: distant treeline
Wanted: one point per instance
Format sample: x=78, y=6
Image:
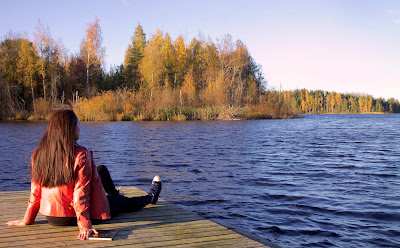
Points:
x=160, y=79
x=322, y=102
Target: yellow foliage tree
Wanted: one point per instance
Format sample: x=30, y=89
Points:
x=215, y=93
x=92, y=50
x=331, y=101
x=362, y=104
x=188, y=87
x=286, y=97
x=211, y=59
x=369, y=104
x=152, y=66
x=339, y=101
x=180, y=61
x=168, y=59
x=27, y=66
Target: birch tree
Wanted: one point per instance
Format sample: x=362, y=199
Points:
x=92, y=51
x=43, y=43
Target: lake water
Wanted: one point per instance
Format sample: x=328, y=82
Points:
x=318, y=181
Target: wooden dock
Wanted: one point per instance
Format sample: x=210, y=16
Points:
x=161, y=225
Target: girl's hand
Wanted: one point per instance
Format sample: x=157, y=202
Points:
x=84, y=235
x=16, y=223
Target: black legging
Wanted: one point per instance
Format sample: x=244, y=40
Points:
x=118, y=203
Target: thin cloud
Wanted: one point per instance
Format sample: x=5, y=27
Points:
x=126, y=3
x=393, y=12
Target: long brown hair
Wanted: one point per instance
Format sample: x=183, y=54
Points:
x=53, y=160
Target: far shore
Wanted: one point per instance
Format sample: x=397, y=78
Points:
x=32, y=119
x=367, y=113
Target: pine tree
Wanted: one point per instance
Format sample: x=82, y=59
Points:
x=168, y=59
x=133, y=57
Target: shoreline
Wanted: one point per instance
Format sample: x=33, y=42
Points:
x=199, y=120
x=297, y=116
x=367, y=113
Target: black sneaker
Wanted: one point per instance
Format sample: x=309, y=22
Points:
x=155, y=190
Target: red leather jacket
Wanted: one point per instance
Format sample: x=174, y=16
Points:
x=84, y=198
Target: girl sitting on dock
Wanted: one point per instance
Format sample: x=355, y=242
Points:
x=66, y=185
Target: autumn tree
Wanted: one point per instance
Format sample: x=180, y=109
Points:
x=188, y=88
x=320, y=101
x=196, y=61
x=330, y=100
x=353, y=105
x=53, y=63
x=58, y=67
x=180, y=61
x=215, y=93
x=44, y=45
x=306, y=104
x=133, y=57
x=168, y=53
x=225, y=51
x=212, y=65
x=235, y=61
x=27, y=66
x=339, y=102
x=10, y=90
x=362, y=104
x=169, y=97
x=369, y=104
x=92, y=53
x=151, y=66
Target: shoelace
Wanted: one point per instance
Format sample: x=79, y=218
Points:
x=155, y=187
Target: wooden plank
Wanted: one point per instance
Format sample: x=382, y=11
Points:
x=161, y=225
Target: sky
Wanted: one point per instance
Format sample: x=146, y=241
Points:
x=348, y=46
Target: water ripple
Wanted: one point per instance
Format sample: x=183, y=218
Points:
x=319, y=181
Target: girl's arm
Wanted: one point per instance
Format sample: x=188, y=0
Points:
x=83, y=176
x=32, y=209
